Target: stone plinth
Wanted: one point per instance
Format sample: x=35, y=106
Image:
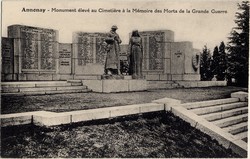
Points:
x=116, y=85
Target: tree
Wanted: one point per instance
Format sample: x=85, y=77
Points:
x=215, y=61
x=205, y=65
x=222, y=67
x=238, y=46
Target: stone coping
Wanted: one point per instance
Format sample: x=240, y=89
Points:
x=45, y=118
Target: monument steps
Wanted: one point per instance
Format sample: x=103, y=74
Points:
x=162, y=85
x=218, y=108
x=230, y=114
x=241, y=135
x=224, y=114
x=41, y=88
x=209, y=103
x=237, y=128
x=231, y=120
x=225, y=120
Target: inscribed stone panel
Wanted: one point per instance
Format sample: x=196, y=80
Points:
x=65, y=55
x=7, y=55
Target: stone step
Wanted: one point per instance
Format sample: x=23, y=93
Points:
x=15, y=87
x=44, y=89
x=159, y=86
x=218, y=108
x=74, y=81
x=237, y=128
x=231, y=120
x=162, y=86
x=72, y=88
x=48, y=92
x=245, y=139
x=52, y=84
x=241, y=135
x=209, y=103
x=68, y=91
x=33, y=84
x=225, y=114
x=160, y=82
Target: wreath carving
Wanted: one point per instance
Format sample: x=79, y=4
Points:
x=196, y=61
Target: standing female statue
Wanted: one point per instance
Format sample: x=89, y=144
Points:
x=135, y=51
x=112, y=63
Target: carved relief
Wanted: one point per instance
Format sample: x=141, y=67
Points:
x=196, y=61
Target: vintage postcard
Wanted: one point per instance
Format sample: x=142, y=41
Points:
x=124, y=79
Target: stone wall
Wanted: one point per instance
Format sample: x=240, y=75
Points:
x=7, y=67
x=88, y=53
x=165, y=59
x=35, y=52
x=154, y=49
x=32, y=53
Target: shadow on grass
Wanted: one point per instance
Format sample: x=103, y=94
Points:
x=156, y=134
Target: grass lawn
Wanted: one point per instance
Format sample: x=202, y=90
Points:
x=81, y=101
x=151, y=135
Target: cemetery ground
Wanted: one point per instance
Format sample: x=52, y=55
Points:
x=149, y=135
x=82, y=101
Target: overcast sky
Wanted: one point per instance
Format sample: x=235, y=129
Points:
x=200, y=28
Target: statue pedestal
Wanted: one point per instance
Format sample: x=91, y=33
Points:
x=116, y=85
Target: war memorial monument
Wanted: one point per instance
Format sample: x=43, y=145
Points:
x=35, y=54
x=34, y=62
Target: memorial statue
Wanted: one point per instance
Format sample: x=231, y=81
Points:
x=135, y=52
x=112, y=63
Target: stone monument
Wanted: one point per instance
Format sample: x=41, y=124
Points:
x=112, y=63
x=33, y=53
x=135, y=51
x=167, y=60
x=88, y=55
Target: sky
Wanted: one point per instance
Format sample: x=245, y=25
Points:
x=200, y=28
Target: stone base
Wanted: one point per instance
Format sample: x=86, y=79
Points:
x=119, y=85
x=243, y=96
x=191, y=84
x=115, y=77
x=172, y=77
x=46, y=77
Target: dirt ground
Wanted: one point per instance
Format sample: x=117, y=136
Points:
x=149, y=136
x=81, y=101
